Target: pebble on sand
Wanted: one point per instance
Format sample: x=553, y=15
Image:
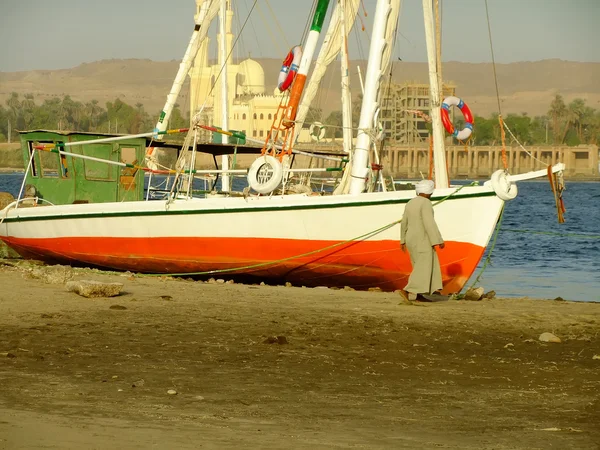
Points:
x=474, y=294
x=94, y=289
x=172, y=392
x=549, y=337
x=281, y=340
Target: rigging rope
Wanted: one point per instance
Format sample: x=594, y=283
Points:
x=489, y=255
x=493, y=59
x=521, y=145
x=278, y=24
x=501, y=122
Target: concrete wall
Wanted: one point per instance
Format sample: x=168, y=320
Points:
x=480, y=162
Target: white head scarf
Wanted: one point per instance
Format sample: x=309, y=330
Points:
x=425, y=187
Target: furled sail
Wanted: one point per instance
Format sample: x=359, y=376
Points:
x=332, y=43
x=206, y=13
x=390, y=34
x=384, y=25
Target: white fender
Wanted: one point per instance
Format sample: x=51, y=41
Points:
x=503, y=187
x=265, y=174
x=317, y=131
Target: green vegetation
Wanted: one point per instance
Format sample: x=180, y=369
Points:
x=571, y=124
x=68, y=114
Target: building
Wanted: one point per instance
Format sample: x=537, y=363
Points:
x=250, y=108
x=405, y=109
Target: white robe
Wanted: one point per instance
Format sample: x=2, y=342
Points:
x=420, y=233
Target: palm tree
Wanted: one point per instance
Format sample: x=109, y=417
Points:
x=28, y=110
x=574, y=114
x=14, y=109
x=557, y=112
x=92, y=109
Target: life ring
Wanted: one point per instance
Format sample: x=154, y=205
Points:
x=503, y=187
x=151, y=162
x=265, y=174
x=468, y=129
x=316, y=131
x=289, y=69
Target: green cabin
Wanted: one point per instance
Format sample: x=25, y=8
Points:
x=62, y=179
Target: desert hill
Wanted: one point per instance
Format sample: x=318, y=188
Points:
x=524, y=86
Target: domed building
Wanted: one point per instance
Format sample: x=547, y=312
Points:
x=250, y=109
x=251, y=78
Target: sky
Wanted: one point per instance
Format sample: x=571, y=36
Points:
x=60, y=34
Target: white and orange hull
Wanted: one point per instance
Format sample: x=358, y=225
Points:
x=307, y=240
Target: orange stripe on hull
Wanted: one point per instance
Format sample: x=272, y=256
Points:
x=360, y=265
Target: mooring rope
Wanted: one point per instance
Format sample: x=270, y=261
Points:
x=289, y=258
x=514, y=230
x=552, y=233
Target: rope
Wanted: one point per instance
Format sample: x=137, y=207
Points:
x=521, y=145
x=329, y=247
x=514, y=230
x=278, y=24
x=489, y=256
x=552, y=233
x=503, y=138
x=252, y=266
x=487, y=14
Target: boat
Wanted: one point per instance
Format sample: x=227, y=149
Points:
x=348, y=237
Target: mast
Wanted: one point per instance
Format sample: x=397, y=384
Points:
x=305, y=62
x=225, y=181
x=370, y=103
x=439, y=151
x=330, y=48
x=184, y=68
x=346, y=95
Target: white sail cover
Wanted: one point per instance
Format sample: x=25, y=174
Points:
x=200, y=31
x=390, y=32
x=332, y=44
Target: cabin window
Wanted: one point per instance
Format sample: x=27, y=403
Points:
x=128, y=155
x=64, y=167
x=49, y=163
x=34, y=171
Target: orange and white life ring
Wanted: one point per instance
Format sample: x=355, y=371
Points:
x=449, y=126
x=289, y=68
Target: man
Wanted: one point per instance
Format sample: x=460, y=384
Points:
x=420, y=234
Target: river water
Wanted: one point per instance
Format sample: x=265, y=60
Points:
x=534, y=255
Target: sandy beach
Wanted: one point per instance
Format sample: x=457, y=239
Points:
x=180, y=364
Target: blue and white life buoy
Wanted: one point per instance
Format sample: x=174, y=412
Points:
x=289, y=68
